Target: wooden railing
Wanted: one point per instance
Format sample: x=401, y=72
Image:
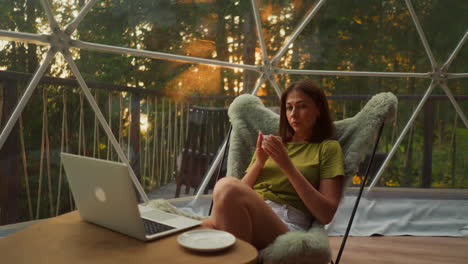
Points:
x=150, y=126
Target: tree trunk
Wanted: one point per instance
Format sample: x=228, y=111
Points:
x=31, y=24
x=221, y=48
x=250, y=41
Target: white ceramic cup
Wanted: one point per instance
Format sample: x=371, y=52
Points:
x=267, y=137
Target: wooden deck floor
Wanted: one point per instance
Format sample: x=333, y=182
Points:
x=402, y=249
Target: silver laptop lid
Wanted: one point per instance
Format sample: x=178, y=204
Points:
x=104, y=194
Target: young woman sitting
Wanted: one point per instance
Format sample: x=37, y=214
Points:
x=293, y=179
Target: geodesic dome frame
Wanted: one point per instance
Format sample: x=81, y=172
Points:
x=60, y=41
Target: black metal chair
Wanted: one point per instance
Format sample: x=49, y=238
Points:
x=207, y=128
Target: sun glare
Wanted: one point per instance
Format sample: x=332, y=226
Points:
x=144, y=124
x=3, y=44
x=202, y=79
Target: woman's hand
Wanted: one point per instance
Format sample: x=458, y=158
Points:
x=251, y=176
x=261, y=155
x=274, y=147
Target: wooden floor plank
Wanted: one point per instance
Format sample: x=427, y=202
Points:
x=402, y=249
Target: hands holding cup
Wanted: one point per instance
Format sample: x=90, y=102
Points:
x=274, y=147
x=267, y=139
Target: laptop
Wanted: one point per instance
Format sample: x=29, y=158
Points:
x=105, y=196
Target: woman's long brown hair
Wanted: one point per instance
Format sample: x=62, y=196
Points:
x=324, y=127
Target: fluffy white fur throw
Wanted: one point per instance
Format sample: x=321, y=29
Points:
x=356, y=135
x=298, y=247
x=166, y=206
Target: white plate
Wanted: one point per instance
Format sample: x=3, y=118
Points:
x=206, y=240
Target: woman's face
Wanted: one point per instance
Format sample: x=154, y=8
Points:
x=301, y=112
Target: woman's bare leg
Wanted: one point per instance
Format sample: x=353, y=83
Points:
x=239, y=210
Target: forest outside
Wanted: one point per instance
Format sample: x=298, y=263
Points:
x=146, y=101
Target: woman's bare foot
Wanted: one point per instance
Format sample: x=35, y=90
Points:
x=208, y=223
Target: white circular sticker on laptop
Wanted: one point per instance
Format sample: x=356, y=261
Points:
x=100, y=194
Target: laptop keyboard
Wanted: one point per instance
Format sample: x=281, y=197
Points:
x=152, y=228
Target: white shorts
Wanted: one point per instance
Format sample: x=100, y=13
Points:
x=294, y=218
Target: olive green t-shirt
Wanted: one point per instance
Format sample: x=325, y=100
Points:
x=315, y=161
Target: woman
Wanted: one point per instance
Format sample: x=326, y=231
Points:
x=291, y=180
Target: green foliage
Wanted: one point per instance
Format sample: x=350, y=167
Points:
x=368, y=35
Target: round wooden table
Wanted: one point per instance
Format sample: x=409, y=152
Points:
x=68, y=239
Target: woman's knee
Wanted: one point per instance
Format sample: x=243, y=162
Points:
x=228, y=188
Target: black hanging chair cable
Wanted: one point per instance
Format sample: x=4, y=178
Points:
x=356, y=204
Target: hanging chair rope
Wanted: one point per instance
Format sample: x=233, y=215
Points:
x=96, y=133
x=129, y=130
x=47, y=148
x=409, y=144
x=80, y=127
x=67, y=148
x=187, y=111
x=62, y=148
x=95, y=129
x=173, y=135
x=180, y=139
x=181, y=134
x=25, y=167
x=171, y=141
x=120, y=121
x=109, y=120
x=148, y=141
x=44, y=148
x=155, y=140
x=39, y=188
x=452, y=154
x=438, y=124
x=170, y=136
x=81, y=134
x=166, y=141
x=395, y=128
x=162, y=143
x=146, y=150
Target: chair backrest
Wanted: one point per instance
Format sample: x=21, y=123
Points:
x=207, y=128
x=356, y=135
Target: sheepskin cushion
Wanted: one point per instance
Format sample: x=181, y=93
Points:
x=248, y=116
x=298, y=247
x=356, y=134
